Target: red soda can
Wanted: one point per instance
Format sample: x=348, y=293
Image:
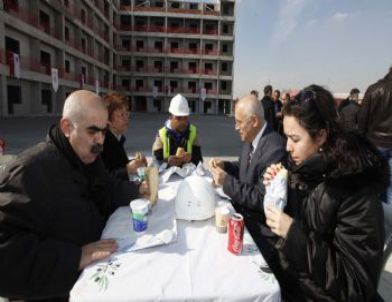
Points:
x=236, y=233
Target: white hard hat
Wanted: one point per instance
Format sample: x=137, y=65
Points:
x=179, y=106
x=195, y=199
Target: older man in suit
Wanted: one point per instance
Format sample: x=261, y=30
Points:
x=242, y=181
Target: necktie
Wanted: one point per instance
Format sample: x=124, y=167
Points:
x=250, y=154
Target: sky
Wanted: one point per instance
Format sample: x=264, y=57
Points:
x=290, y=44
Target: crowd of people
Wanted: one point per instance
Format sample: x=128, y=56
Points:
x=326, y=245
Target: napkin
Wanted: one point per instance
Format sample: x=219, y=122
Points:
x=162, y=228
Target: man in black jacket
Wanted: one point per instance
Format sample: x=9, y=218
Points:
x=375, y=120
x=242, y=181
x=348, y=110
x=269, y=108
x=54, y=200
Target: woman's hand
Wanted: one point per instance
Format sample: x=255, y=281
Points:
x=278, y=221
x=270, y=173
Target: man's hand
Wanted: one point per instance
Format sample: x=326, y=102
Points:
x=174, y=160
x=278, y=221
x=218, y=175
x=134, y=164
x=214, y=163
x=96, y=251
x=144, y=189
x=186, y=157
x=179, y=160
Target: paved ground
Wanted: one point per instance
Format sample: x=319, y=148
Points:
x=217, y=137
x=216, y=133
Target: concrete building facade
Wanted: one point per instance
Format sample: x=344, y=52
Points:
x=147, y=50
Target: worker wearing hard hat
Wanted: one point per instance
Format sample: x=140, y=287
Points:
x=176, y=142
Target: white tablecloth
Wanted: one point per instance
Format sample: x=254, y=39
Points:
x=195, y=267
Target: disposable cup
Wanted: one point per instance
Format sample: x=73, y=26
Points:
x=222, y=215
x=139, y=210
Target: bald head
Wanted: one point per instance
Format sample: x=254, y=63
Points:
x=81, y=102
x=250, y=106
x=249, y=117
x=84, y=124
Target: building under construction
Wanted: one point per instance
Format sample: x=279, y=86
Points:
x=147, y=50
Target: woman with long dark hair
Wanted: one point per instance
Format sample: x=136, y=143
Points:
x=332, y=231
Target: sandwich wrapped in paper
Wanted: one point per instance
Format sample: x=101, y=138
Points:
x=152, y=177
x=276, y=191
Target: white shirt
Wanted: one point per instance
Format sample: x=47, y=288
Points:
x=256, y=140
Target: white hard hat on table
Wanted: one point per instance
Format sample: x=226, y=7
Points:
x=179, y=106
x=195, y=199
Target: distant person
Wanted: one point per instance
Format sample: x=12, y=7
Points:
x=114, y=155
x=285, y=98
x=277, y=101
x=55, y=198
x=348, y=111
x=177, y=142
x=375, y=120
x=242, y=180
x=332, y=230
x=278, y=111
x=255, y=93
x=269, y=107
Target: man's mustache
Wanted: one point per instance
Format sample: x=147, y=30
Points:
x=96, y=149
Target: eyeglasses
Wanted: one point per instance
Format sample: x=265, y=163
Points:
x=123, y=114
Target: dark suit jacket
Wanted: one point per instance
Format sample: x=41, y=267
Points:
x=114, y=156
x=244, y=185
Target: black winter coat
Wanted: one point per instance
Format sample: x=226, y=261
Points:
x=50, y=206
x=348, y=114
x=375, y=115
x=114, y=156
x=333, y=250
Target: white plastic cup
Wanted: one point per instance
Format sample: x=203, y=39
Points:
x=222, y=215
x=139, y=209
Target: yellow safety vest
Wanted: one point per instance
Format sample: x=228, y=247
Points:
x=166, y=141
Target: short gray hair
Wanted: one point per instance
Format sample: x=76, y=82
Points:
x=251, y=106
